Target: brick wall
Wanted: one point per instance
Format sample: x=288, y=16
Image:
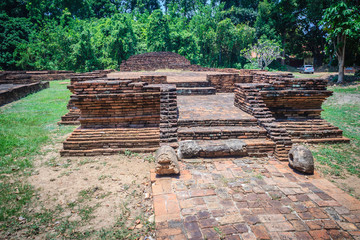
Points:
x=288, y=107
x=226, y=82
x=106, y=104
x=155, y=60
x=249, y=99
x=20, y=77
x=19, y=91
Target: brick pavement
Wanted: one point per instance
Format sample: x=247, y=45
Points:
x=251, y=198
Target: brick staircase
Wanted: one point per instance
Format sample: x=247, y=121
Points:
x=91, y=142
x=195, y=88
x=216, y=138
x=312, y=131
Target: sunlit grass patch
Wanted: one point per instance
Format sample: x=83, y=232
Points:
x=343, y=111
x=26, y=125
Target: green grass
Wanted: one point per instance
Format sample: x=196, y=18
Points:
x=25, y=126
x=305, y=75
x=343, y=111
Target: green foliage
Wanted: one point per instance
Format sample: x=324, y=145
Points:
x=13, y=32
x=341, y=19
x=341, y=22
x=87, y=35
x=158, y=37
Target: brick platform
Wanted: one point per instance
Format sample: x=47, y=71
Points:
x=212, y=119
x=247, y=199
x=120, y=115
x=155, y=60
x=289, y=109
x=72, y=117
x=13, y=92
x=270, y=107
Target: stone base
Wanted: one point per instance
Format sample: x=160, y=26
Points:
x=226, y=148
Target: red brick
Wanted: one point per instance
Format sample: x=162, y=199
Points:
x=352, y=218
x=314, y=225
x=330, y=224
x=339, y=235
x=347, y=226
x=319, y=234
x=228, y=229
x=279, y=227
x=208, y=223
x=260, y=232
x=241, y=228
x=303, y=236
x=210, y=233
x=318, y=213
x=299, y=225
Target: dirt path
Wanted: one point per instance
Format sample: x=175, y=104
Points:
x=105, y=193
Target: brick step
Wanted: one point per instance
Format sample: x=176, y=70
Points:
x=220, y=132
x=107, y=151
x=88, y=142
x=323, y=140
x=192, y=84
x=67, y=122
x=218, y=122
x=196, y=91
x=84, y=145
x=231, y=148
x=336, y=133
x=128, y=138
x=133, y=133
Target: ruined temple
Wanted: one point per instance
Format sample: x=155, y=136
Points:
x=219, y=113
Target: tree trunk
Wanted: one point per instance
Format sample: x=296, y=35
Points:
x=283, y=53
x=341, y=59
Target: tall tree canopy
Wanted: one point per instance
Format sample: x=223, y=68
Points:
x=85, y=35
x=341, y=22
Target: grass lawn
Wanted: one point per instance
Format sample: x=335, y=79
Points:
x=339, y=161
x=25, y=126
x=36, y=200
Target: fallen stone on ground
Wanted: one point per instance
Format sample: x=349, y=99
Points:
x=301, y=159
x=166, y=161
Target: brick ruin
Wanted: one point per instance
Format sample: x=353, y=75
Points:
x=119, y=115
x=71, y=118
x=267, y=112
x=155, y=60
x=18, y=84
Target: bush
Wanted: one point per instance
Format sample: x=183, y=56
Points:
x=357, y=74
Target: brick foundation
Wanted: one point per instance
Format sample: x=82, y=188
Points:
x=119, y=115
x=17, y=91
x=288, y=108
x=226, y=82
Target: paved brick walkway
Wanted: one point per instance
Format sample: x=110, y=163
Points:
x=204, y=107
x=251, y=199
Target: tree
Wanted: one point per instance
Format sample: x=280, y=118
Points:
x=264, y=24
x=263, y=52
x=13, y=32
x=158, y=38
x=284, y=14
x=341, y=22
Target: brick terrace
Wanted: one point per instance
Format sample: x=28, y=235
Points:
x=212, y=107
x=172, y=76
x=250, y=198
